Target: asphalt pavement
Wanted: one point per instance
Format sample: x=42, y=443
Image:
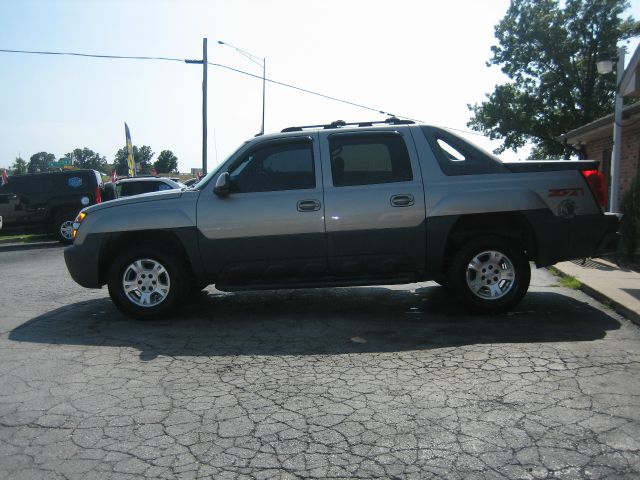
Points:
x=371, y=382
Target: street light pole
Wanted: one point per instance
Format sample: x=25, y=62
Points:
x=617, y=136
x=204, y=63
x=254, y=59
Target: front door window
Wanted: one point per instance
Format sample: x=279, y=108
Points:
x=273, y=168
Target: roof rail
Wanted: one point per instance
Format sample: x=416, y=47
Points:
x=342, y=123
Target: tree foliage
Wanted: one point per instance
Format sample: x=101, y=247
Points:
x=39, y=162
x=87, y=158
x=167, y=162
x=142, y=156
x=549, y=49
x=19, y=166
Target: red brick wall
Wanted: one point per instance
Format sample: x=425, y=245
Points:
x=600, y=149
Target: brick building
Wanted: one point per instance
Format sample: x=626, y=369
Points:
x=595, y=139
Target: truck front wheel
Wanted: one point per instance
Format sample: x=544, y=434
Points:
x=147, y=282
x=489, y=274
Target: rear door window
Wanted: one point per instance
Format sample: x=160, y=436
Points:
x=150, y=186
x=369, y=159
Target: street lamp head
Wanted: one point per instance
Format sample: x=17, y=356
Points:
x=220, y=42
x=604, y=64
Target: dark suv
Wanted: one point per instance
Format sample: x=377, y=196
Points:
x=48, y=200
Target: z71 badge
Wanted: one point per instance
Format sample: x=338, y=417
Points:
x=566, y=192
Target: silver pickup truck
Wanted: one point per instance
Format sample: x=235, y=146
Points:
x=347, y=204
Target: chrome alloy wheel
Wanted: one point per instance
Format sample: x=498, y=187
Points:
x=66, y=229
x=490, y=275
x=146, y=283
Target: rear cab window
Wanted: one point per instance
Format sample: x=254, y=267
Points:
x=455, y=156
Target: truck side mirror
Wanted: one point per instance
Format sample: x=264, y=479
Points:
x=222, y=185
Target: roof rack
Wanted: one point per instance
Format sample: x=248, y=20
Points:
x=342, y=123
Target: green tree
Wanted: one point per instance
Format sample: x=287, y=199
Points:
x=87, y=158
x=19, y=166
x=142, y=156
x=167, y=162
x=39, y=162
x=549, y=49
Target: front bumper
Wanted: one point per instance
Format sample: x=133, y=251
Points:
x=83, y=262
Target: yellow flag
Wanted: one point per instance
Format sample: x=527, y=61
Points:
x=130, y=162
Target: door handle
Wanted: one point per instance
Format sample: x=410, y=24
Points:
x=308, y=205
x=404, y=200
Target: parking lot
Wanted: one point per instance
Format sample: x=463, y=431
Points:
x=379, y=382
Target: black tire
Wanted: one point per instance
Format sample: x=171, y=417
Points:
x=490, y=288
x=160, y=301
x=62, y=227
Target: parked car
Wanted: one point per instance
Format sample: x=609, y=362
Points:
x=191, y=181
x=48, y=200
x=347, y=204
x=126, y=187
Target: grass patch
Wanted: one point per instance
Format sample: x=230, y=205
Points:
x=566, y=281
x=570, y=282
x=24, y=237
x=555, y=271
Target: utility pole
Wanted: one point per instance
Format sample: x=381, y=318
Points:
x=204, y=63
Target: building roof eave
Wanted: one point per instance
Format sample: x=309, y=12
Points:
x=580, y=134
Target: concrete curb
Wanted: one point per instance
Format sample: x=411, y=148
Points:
x=602, y=297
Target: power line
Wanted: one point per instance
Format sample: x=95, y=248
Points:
x=92, y=55
x=182, y=60
x=276, y=82
x=464, y=131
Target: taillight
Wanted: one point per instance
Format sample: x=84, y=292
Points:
x=98, y=195
x=596, y=181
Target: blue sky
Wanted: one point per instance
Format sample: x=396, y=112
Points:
x=422, y=59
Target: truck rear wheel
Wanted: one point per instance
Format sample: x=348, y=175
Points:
x=489, y=274
x=147, y=282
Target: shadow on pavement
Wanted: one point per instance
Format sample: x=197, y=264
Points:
x=318, y=321
x=634, y=292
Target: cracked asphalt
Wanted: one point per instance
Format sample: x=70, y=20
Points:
x=382, y=382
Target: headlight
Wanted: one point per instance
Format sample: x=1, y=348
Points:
x=76, y=223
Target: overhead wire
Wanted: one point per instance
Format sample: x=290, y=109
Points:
x=92, y=55
x=182, y=60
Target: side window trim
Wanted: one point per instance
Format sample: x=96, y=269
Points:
x=364, y=133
